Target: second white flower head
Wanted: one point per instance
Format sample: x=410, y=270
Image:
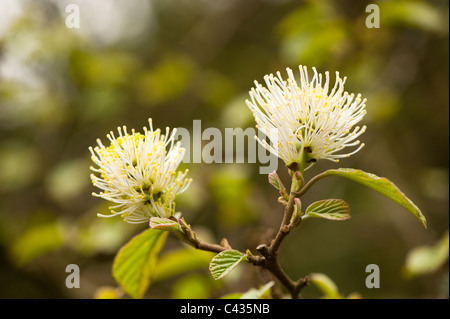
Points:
x=313, y=121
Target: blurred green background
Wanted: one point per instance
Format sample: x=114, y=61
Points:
x=179, y=60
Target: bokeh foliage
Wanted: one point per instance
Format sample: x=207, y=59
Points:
x=179, y=60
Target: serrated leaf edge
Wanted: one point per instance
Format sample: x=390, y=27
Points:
x=229, y=268
x=335, y=206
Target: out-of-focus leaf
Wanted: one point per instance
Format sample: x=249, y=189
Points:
x=233, y=295
x=354, y=295
x=325, y=285
x=309, y=15
x=166, y=80
x=426, y=259
x=100, y=235
x=68, y=179
x=387, y=104
x=223, y=263
x=181, y=261
x=435, y=183
x=332, y=209
x=101, y=103
x=195, y=286
x=316, y=47
x=260, y=293
x=234, y=115
x=194, y=198
x=416, y=13
x=253, y=293
x=135, y=262
x=107, y=292
x=217, y=89
x=230, y=189
x=19, y=105
x=101, y=69
x=312, y=34
x=381, y=185
x=19, y=165
x=37, y=241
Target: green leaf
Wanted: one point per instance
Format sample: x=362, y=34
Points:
x=106, y=292
x=426, y=259
x=181, y=261
x=193, y=286
x=297, y=214
x=261, y=293
x=253, y=293
x=165, y=224
x=276, y=182
x=167, y=79
x=37, y=241
x=135, y=262
x=230, y=189
x=418, y=14
x=233, y=295
x=101, y=235
x=224, y=262
x=332, y=209
x=325, y=285
x=381, y=185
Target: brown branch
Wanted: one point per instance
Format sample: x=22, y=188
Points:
x=284, y=228
x=269, y=254
x=210, y=247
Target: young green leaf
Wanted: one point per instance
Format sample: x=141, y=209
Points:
x=379, y=184
x=325, y=285
x=37, y=241
x=135, y=262
x=165, y=224
x=276, y=182
x=426, y=259
x=260, y=293
x=223, y=263
x=181, y=261
x=332, y=209
x=297, y=214
x=106, y=292
x=193, y=286
x=233, y=295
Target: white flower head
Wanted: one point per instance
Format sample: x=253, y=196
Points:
x=314, y=120
x=138, y=173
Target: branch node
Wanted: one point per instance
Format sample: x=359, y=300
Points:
x=296, y=194
x=263, y=250
x=282, y=201
x=286, y=229
x=259, y=261
x=224, y=243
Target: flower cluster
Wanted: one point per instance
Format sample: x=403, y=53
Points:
x=138, y=173
x=311, y=121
